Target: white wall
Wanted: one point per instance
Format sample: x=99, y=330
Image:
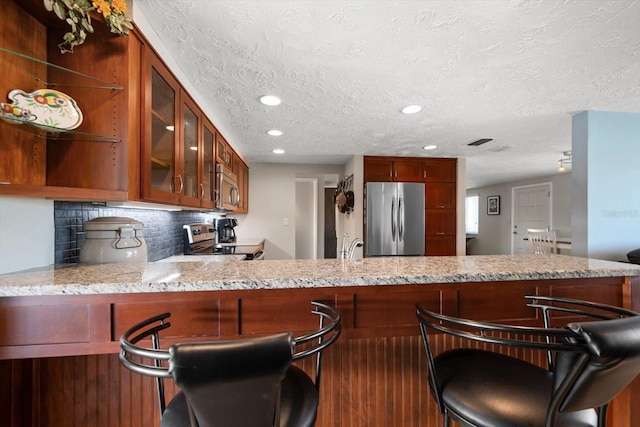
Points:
x=272, y=189
x=606, y=183
x=353, y=223
x=26, y=233
x=495, y=231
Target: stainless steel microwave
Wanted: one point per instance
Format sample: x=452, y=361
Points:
x=228, y=191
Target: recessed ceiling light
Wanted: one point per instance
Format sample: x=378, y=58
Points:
x=270, y=100
x=430, y=147
x=278, y=151
x=411, y=109
x=274, y=132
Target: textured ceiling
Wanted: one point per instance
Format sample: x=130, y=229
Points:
x=514, y=71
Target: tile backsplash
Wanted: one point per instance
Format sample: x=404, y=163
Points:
x=162, y=229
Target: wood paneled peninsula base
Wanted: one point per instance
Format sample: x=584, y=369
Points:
x=59, y=327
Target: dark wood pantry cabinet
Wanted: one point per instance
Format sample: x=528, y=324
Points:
x=440, y=206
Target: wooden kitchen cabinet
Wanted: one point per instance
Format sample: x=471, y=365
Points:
x=160, y=148
x=438, y=245
x=178, y=145
x=142, y=137
x=224, y=152
x=440, y=206
x=208, y=170
x=440, y=195
x=23, y=160
x=392, y=169
x=243, y=187
x=440, y=218
x=190, y=143
x=440, y=223
x=440, y=170
x=180, y=150
x=91, y=161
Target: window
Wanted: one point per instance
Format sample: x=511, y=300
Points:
x=471, y=214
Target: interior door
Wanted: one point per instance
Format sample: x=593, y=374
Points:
x=531, y=209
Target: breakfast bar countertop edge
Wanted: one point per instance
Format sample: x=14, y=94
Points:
x=204, y=275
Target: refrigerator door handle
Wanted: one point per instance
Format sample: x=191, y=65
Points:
x=400, y=220
x=393, y=219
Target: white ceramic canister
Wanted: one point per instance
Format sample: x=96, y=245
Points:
x=113, y=239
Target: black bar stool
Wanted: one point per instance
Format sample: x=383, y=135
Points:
x=246, y=382
x=588, y=364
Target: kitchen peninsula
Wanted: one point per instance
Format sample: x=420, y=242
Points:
x=61, y=324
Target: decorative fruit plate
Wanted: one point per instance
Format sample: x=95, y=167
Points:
x=47, y=108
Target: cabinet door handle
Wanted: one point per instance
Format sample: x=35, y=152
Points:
x=235, y=190
x=181, y=184
x=440, y=206
x=440, y=233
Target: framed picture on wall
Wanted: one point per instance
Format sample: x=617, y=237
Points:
x=493, y=205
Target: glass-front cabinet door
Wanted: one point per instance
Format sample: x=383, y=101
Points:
x=224, y=155
x=162, y=134
x=160, y=180
x=208, y=186
x=189, y=138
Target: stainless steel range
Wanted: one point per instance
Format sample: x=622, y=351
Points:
x=200, y=239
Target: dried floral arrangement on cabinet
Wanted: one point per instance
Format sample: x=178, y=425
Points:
x=77, y=14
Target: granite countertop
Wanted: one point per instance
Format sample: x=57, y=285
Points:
x=245, y=241
x=203, y=258
x=207, y=274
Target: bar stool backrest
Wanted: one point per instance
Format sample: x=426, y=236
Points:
x=613, y=362
x=232, y=383
x=249, y=382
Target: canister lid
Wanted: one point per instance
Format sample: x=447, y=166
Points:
x=112, y=223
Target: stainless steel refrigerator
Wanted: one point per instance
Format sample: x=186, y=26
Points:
x=394, y=218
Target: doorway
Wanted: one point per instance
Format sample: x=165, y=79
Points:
x=306, y=224
x=330, y=235
x=531, y=208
